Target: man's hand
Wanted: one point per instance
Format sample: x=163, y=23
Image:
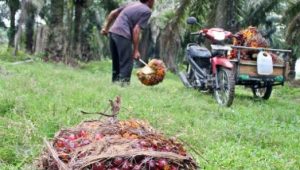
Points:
x=136, y=55
x=104, y=32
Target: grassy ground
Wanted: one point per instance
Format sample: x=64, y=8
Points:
x=38, y=99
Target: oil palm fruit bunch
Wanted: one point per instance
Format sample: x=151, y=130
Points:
x=250, y=37
x=153, y=73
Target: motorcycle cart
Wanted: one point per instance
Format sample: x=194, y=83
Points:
x=260, y=68
x=209, y=70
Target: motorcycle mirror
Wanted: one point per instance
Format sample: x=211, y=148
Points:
x=191, y=20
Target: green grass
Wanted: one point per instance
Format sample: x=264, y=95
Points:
x=6, y=54
x=38, y=99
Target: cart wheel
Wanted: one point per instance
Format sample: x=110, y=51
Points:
x=225, y=94
x=263, y=93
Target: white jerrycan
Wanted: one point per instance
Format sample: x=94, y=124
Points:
x=297, y=69
x=264, y=63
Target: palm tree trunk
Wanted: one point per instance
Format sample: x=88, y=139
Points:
x=77, y=28
x=68, y=47
x=225, y=15
x=30, y=21
x=12, y=29
x=13, y=5
x=22, y=18
x=170, y=39
x=56, y=35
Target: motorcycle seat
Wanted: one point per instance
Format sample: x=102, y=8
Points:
x=198, y=51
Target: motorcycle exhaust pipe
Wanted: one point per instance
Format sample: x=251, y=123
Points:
x=184, y=80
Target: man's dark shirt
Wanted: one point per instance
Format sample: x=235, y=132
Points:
x=131, y=15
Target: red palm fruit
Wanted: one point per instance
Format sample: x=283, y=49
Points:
x=137, y=167
x=145, y=144
x=71, y=137
x=118, y=161
x=166, y=149
x=59, y=144
x=126, y=166
x=115, y=169
x=161, y=163
x=85, y=142
x=150, y=164
x=173, y=167
x=98, y=166
x=83, y=133
x=130, y=165
x=98, y=136
x=154, y=148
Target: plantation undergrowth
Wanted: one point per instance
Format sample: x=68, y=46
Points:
x=37, y=99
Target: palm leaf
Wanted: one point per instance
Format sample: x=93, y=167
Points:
x=256, y=11
x=293, y=33
x=292, y=11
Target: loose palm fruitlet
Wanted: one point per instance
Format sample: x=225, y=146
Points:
x=152, y=74
x=110, y=144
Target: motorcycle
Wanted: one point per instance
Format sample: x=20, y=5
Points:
x=210, y=70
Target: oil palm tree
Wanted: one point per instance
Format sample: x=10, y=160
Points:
x=256, y=12
x=170, y=38
x=292, y=20
x=14, y=6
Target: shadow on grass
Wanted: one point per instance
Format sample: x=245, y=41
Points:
x=245, y=98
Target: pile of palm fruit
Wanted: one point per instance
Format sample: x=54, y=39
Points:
x=250, y=37
x=153, y=73
x=111, y=144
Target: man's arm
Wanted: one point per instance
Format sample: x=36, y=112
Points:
x=109, y=20
x=142, y=23
x=136, y=36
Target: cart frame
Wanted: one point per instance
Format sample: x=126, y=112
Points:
x=246, y=72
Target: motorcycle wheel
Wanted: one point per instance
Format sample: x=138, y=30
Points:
x=225, y=94
x=263, y=93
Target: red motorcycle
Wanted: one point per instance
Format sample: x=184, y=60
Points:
x=210, y=70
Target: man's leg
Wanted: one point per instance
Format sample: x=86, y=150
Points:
x=125, y=58
x=115, y=58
